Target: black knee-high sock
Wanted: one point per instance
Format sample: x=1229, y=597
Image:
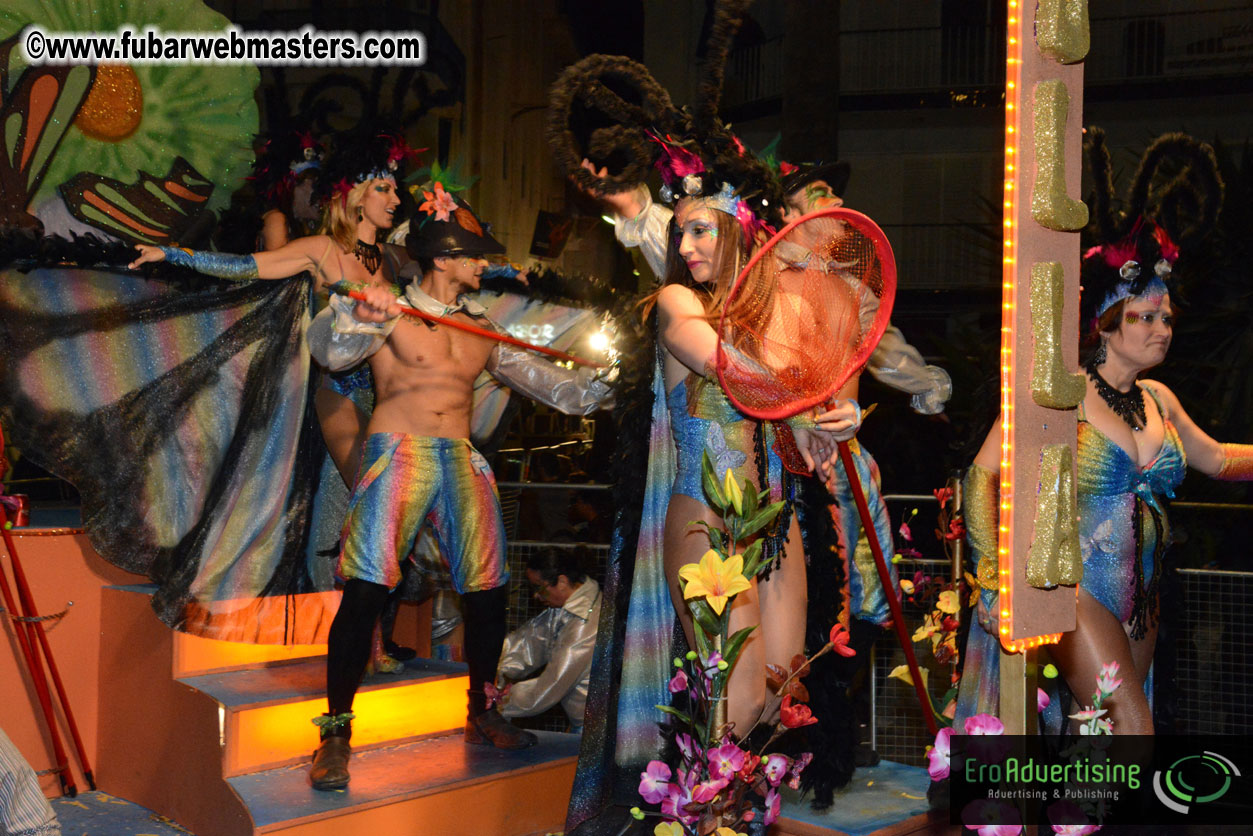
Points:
x=348, y=647
x=484, y=633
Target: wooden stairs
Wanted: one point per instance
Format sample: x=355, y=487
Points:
x=216, y=736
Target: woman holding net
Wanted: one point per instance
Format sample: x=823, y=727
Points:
x=671, y=391
x=1134, y=446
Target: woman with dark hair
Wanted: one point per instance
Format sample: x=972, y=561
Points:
x=1135, y=444
x=558, y=643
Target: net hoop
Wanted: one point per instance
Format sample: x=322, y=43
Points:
x=867, y=227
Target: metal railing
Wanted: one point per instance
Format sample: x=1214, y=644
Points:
x=1125, y=48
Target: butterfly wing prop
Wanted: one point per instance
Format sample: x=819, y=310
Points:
x=182, y=417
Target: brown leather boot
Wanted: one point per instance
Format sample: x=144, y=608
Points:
x=330, y=761
x=486, y=727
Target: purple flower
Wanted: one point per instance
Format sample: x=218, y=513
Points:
x=1067, y=819
x=773, y=804
x=798, y=766
x=675, y=801
x=654, y=782
x=938, y=757
x=776, y=768
x=711, y=664
x=984, y=724
x=1041, y=700
x=679, y=682
x=726, y=760
x=707, y=790
x=687, y=747
x=992, y=818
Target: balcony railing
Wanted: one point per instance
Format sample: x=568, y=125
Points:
x=945, y=256
x=1146, y=48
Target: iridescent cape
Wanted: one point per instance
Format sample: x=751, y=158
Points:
x=639, y=633
x=181, y=412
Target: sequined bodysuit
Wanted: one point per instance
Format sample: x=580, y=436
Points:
x=717, y=427
x=1123, y=530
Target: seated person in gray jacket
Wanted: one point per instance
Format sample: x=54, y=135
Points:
x=558, y=642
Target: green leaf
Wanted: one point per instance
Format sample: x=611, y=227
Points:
x=732, y=650
x=717, y=539
x=761, y=519
x=704, y=616
x=709, y=481
x=752, y=559
x=674, y=712
x=702, y=646
x=751, y=500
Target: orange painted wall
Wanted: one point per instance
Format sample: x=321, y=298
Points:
x=58, y=568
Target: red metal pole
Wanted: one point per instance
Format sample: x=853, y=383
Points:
x=37, y=627
x=889, y=589
x=36, y=674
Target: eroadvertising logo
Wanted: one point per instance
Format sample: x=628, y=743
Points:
x=1099, y=780
x=1193, y=780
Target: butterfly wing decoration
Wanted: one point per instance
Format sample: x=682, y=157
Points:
x=1101, y=540
x=181, y=414
x=153, y=210
x=36, y=109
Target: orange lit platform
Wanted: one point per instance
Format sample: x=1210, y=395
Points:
x=225, y=752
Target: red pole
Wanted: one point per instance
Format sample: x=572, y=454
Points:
x=37, y=627
x=36, y=674
x=482, y=332
x=889, y=589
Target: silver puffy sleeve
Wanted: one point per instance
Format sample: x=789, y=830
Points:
x=527, y=649
x=337, y=340
x=898, y=364
x=579, y=391
x=647, y=230
x=569, y=666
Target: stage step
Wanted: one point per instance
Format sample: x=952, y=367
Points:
x=227, y=753
x=195, y=656
x=265, y=712
x=437, y=785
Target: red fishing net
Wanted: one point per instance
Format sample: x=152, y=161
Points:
x=805, y=313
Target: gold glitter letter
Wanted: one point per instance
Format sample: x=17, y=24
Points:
x=1054, y=556
x=1061, y=30
x=1051, y=385
x=1050, y=207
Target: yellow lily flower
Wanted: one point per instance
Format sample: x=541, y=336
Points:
x=714, y=578
x=928, y=628
x=948, y=602
x=734, y=495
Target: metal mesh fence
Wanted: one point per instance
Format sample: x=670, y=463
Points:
x=1215, y=663
x=1213, y=648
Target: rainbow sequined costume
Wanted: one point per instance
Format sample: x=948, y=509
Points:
x=1123, y=534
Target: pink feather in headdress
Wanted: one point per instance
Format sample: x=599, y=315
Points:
x=675, y=162
x=752, y=226
x=1170, y=250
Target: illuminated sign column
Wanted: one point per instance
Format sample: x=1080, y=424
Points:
x=1038, y=538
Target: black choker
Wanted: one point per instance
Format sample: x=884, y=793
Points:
x=369, y=255
x=1128, y=406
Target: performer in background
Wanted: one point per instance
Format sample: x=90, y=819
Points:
x=418, y=464
x=548, y=660
x=1135, y=444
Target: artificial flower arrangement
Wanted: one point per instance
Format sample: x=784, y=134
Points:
x=997, y=818
x=719, y=779
x=940, y=600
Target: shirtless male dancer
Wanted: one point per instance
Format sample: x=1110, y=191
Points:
x=418, y=463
